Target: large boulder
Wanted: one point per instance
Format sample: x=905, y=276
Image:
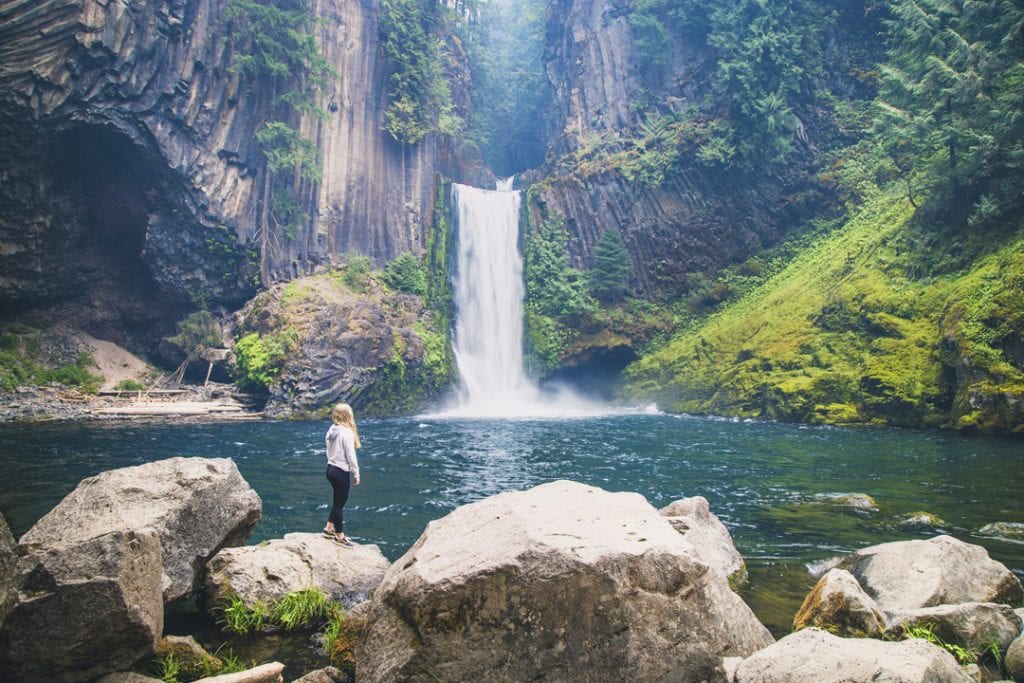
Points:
x=907, y=575
x=271, y=570
x=838, y=604
x=973, y=625
x=692, y=517
x=8, y=570
x=815, y=656
x=86, y=608
x=562, y=580
x=196, y=506
x=1014, y=660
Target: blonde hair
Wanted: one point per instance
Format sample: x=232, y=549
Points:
x=343, y=415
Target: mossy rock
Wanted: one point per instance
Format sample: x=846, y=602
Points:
x=192, y=658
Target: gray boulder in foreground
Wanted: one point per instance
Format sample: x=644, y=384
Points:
x=85, y=608
x=692, y=517
x=815, y=656
x=1014, y=660
x=548, y=583
x=973, y=625
x=907, y=575
x=273, y=569
x=196, y=506
x=838, y=603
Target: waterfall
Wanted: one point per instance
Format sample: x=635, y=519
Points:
x=489, y=294
x=489, y=291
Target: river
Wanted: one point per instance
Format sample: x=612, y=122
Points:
x=768, y=482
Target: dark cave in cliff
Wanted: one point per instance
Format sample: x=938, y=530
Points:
x=107, y=190
x=596, y=375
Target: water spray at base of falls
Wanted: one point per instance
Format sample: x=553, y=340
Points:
x=488, y=335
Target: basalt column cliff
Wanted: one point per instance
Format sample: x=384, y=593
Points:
x=132, y=181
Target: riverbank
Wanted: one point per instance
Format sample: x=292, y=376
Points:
x=63, y=404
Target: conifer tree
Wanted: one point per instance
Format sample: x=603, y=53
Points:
x=609, y=281
x=951, y=90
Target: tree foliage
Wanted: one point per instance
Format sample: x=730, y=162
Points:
x=406, y=274
x=609, y=280
x=952, y=90
x=553, y=287
x=418, y=91
x=766, y=55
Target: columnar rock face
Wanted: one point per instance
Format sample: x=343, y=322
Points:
x=562, y=580
x=132, y=174
x=814, y=656
x=697, y=221
x=86, y=607
x=271, y=570
x=196, y=506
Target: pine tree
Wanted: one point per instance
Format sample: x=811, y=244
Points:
x=951, y=90
x=609, y=281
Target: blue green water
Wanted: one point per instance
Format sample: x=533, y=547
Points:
x=760, y=478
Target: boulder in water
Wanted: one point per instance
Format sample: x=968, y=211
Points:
x=269, y=571
x=1011, y=531
x=196, y=506
x=920, y=520
x=86, y=608
x=838, y=604
x=906, y=575
x=815, y=656
x=563, y=579
x=973, y=625
x=692, y=517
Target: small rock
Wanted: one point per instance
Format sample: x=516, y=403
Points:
x=920, y=520
x=192, y=657
x=1012, y=531
x=855, y=501
x=839, y=605
x=328, y=674
x=906, y=575
x=127, y=677
x=814, y=656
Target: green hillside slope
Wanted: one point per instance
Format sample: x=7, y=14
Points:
x=854, y=330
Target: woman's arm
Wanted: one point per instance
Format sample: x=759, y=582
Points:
x=349, y=446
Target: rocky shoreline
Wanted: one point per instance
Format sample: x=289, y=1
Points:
x=63, y=404
x=560, y=582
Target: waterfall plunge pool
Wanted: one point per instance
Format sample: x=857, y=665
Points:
x=769, y=483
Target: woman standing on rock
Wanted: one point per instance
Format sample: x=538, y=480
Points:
x=342, y=468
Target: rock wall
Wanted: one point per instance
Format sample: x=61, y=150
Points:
x=697, y=221
x=129, y=165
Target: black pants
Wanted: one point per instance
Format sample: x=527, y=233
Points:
x=340, y=482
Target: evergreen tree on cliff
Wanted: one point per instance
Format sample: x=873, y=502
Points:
x=609, y=281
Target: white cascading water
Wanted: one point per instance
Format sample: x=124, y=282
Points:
x=489, y=294
x=489, y=302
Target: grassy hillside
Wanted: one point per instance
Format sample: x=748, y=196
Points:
x=867, y=325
